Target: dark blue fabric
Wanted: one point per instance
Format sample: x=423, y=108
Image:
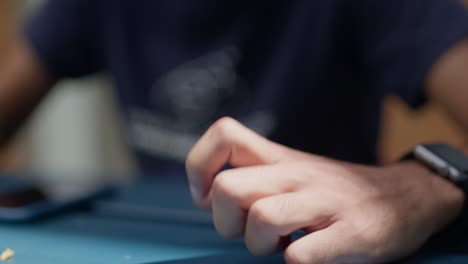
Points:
x=319, y=68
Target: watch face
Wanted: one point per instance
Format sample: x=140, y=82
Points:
x=457, y=160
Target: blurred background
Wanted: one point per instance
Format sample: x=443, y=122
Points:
x=90, y=143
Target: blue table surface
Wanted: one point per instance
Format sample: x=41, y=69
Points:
x=91, y=236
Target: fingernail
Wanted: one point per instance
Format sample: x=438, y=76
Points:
x=196, y=193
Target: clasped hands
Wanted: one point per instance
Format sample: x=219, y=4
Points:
x=350, y=213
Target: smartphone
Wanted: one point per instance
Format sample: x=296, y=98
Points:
x=27, y=198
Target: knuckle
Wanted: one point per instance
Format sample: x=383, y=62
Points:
x=262, y=215
x=225, y=122
x=223, y=129
x=190, y=161
x=223, y=185
x=283, y=208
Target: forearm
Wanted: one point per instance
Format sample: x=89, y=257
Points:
x=23, y=82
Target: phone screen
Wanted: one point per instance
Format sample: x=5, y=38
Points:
x=24, y=198
x=20, y=192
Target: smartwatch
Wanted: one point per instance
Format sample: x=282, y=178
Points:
x=446, y=161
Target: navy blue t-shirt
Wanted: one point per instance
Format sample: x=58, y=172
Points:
x=310, y=74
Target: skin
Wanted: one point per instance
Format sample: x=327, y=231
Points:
x=350, y=213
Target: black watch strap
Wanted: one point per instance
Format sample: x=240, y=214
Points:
x=445, y=160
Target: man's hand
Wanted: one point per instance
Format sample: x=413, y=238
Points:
x=350, y=213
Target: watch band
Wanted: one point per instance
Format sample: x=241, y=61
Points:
x=445, y=160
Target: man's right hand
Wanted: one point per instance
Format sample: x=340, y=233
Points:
x=351, y=213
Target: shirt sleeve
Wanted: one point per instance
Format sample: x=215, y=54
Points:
x=63, y=36
x=402, y=39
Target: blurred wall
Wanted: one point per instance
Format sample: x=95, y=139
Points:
x=75, y=131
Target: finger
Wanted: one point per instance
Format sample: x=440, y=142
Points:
x=235, y=190
x=227, y=141
x=271, y=220
x=329, y=245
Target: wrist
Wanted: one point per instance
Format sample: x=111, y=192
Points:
x=445, y=197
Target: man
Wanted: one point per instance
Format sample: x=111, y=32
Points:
x=307, y=74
